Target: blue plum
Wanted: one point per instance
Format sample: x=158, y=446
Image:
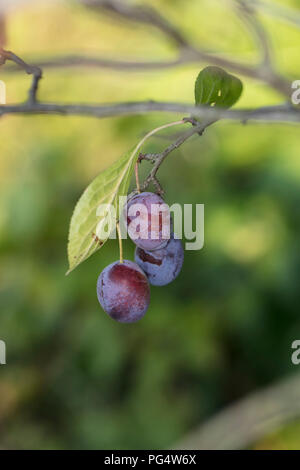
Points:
x=161, y=266
x=148, y=221
x=123, y=291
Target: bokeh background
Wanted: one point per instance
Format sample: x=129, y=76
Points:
x=75, y=378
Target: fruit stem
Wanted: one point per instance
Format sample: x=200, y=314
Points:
x=136, y=169
x=120, y=243
x=139, y=145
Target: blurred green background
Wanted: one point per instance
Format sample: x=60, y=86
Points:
x=75, y=378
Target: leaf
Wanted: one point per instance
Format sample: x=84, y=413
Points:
x=215, y=87
x=106, y=188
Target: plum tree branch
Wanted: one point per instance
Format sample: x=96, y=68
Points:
x=158, y=158
x=187, y=52
x=265, y=69
x=284, y=113
x=138, y=13
x=189, y=56
x=146, y=14
x=77, y=60
x=283, y=13
x=2, y=30
x=33, y=70
x=242, y=424
x=248, y=14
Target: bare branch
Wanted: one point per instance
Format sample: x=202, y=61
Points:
x=281, y=114
x=264, y=71
x=149, y=15
x=242, y=424
x=101, y=62
x=140, y=13
x=187, y=52
x=159, y=158
x=33, y=70
x=283, y=13
x=2, y=30
x=158, y=187
x=32, y=106
x=191, y=56
x=248, y=15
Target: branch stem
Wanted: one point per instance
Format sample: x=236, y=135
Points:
x=279, y=113
x=33, y=70
x=120, y=242
x=136, y=170
x=158, y=159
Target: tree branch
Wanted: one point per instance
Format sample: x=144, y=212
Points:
x=2, y=30
x=290, y=15
x=149, y=15
x=265, y=69
x=101, y=62
x=283, y=113
x=139, y=13
x=33, y=70
x=244, y=423
x=158, y=159
x=248, y=14
x=191, y=56
x=187, y=54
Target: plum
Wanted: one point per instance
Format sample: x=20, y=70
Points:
x=161, y=266
x=148, y=221
x=123, y=291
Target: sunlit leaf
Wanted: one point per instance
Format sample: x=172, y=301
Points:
x=215, y=87
x=106, y=188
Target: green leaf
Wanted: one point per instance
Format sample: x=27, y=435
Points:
x=215, y=87
x=106, y=188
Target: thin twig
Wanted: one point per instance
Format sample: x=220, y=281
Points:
x=190, y=56
x=265, y=69
x=283, y=13
x=2, y=30
x=140, y=13
x=77, y=60
x=148, y=15
x=158, y=188
x=120, y=243
x=33, y=70
x=159, y=158
x=137, y=180
x=248, y=14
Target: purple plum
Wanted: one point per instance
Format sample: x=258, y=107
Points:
x=161, y=266
x=148, y=220
x=123, y=291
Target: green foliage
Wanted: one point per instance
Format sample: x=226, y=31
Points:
x=105, y=189
x=215, y=87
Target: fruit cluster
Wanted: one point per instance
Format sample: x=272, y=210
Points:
x=123, y=287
